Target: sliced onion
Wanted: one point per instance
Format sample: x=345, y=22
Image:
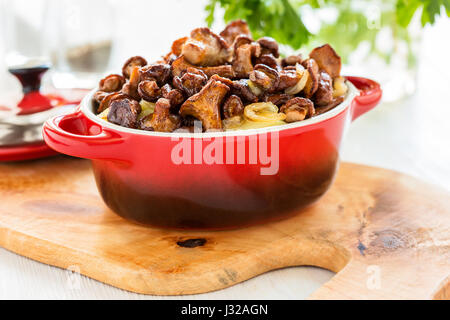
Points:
x=254, y=88
x=263, y=112
x=146, y=108
x=303, y=75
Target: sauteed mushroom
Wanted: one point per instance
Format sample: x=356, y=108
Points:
x=159, y=72
x=106, y=101
x=242, y=61
x=235, y=29
x=269, y=46
x=205, y=48
x=161, y=120
x=242, y=89
x=292, y=60
x=232, y=107
x=124, y=111
x=149, y=90
x=336, y=101
x=327, y=60
x=205, y=105
x=288, y=78
x=265, y=77
x=297, y=109
x=131, y=87
x=177, y=45
x=313, y=80
x=100, y=95
x=269, y=60
x=278, y=99
x=175, y=96
x=324, y=93
x=191, y=82
x=132, y=62
x=180, y=65
x=218, y=79
x=111, y=83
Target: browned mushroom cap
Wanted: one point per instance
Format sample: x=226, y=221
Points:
x=265, y=77
x=180, y=65
x=177, y=45
x=205, y=48
x=168, y=58
x=149, y=90
x=111, y=83
x=241, y=40
x=336, y=101
x=224, y=80
x=313, y=80
x=297, y=109
x=327, y=59
x=241, y=89
x=242, y=61
x=233, y=106
x=124, y=111
x=238, y=88
x=224, y=70
x=268, y=60
x=106, y=101
x=191, y=82
x=129, y=65
x=175, y=96
x=288, y=78
x=324, y=93
x=131, y=87
x=269, y=46
x=235, y=29
x=278, y=99
x=205, y=105
x=161, y=120
x=292, y=60
x=100, y=95
x=159, y=72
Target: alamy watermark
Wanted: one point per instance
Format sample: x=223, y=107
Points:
x=221, y=150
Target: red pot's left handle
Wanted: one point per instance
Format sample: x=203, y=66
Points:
x=75, y=135
x=370, y=95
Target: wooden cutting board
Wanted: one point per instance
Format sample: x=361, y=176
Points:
x=386, y=235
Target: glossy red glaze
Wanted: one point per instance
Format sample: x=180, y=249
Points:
x=138, y=178
x=26, y=152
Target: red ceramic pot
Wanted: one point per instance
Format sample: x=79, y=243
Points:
x=211, y=180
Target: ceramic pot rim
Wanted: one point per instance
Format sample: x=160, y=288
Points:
x=87, y=106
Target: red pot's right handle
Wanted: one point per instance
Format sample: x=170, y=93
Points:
x=370, y=95
x=77, y=136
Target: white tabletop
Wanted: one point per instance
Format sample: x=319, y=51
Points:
x=411, y=136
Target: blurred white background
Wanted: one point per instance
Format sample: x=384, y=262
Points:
x=133, y=27
x=411, y=135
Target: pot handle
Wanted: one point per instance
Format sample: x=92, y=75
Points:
x=77, y=136
x=370, y=95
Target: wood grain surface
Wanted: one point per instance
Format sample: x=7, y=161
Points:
x=386, y=235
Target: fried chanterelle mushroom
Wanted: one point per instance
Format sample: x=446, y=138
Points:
x=221, y=79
